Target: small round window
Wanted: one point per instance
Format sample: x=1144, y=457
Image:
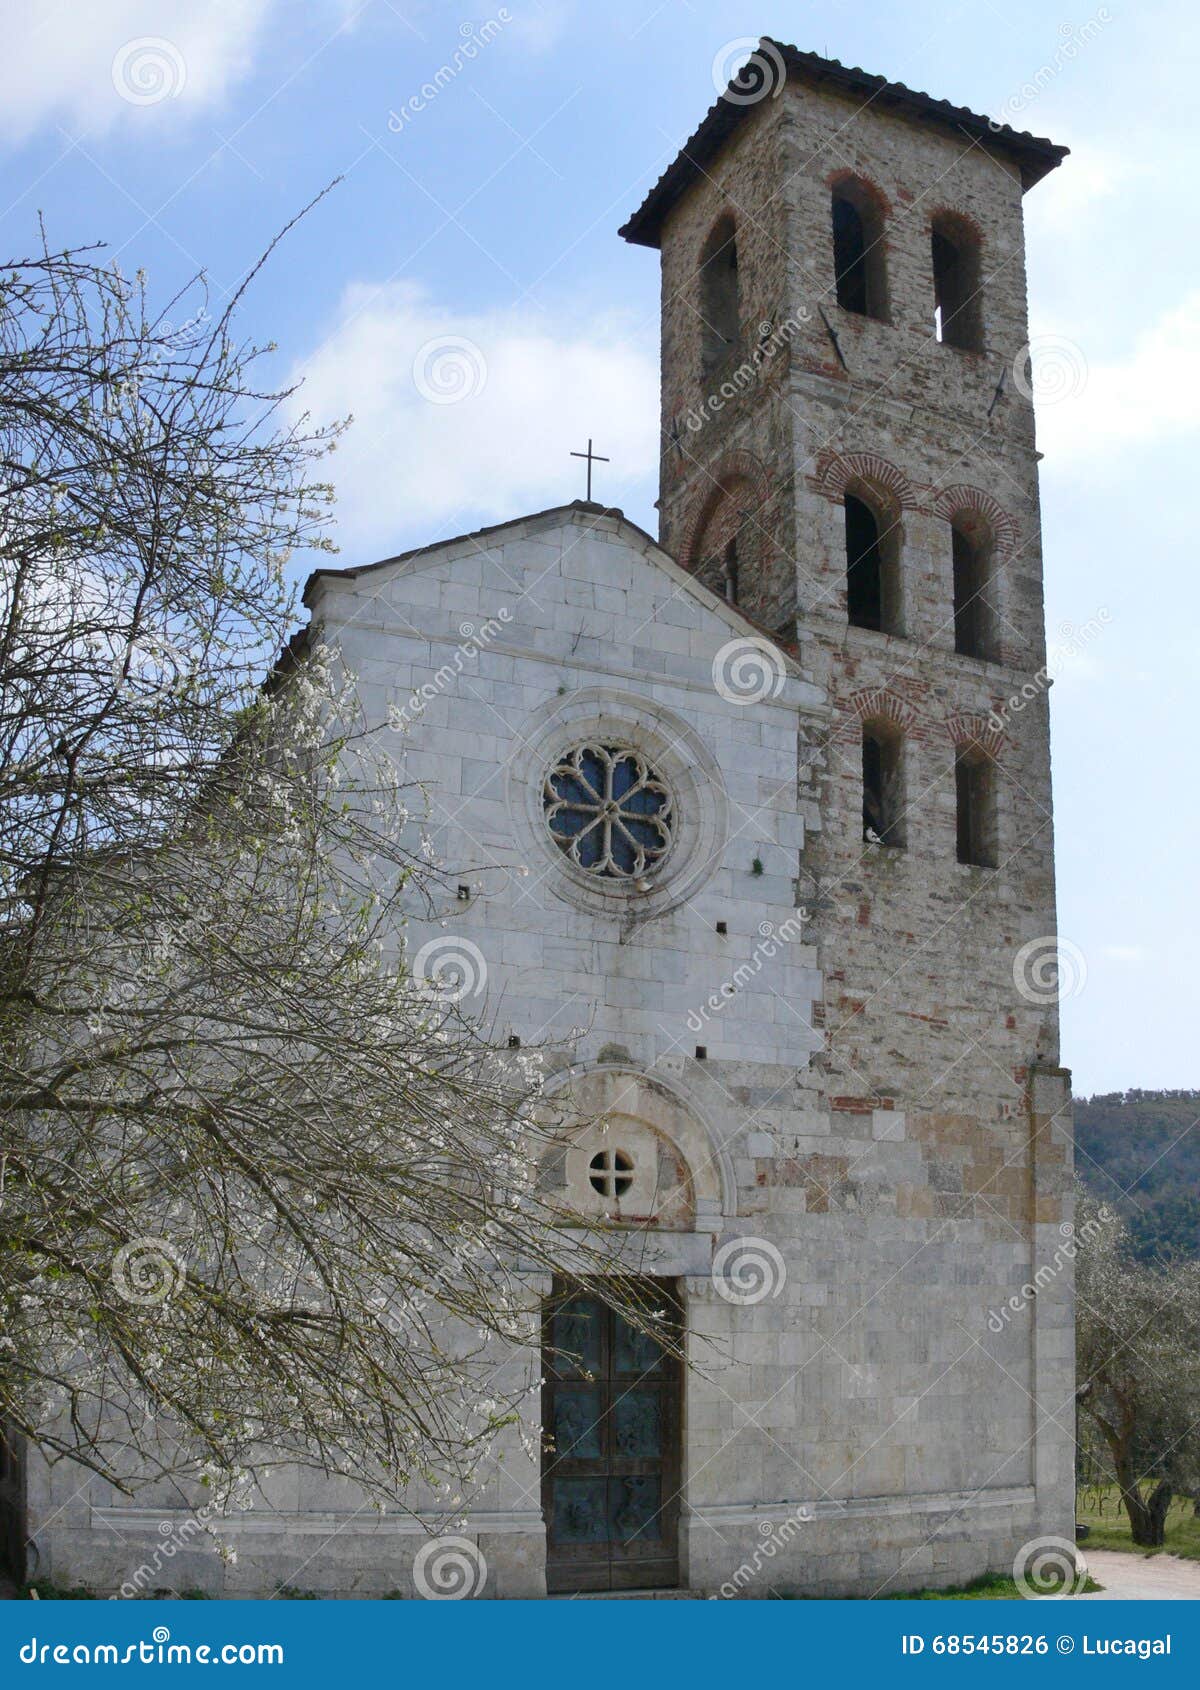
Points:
x=608, y=811
x=610, y=1172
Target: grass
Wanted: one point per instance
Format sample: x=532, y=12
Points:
x=1100, y=1508
x=989, y=1587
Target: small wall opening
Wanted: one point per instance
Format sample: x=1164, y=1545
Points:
x=974, y=622
x=882, y=786
x=858, y=259
x=957, y=281
x=729, y=570
x=872, y=568
x=720, y=307
x=975, y=794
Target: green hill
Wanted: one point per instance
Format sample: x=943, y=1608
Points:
x=1140, y=1150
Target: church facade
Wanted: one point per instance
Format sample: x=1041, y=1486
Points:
x=754, y=845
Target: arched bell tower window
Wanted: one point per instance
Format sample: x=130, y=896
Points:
x=872, y=567
x=719, y=299
x=882, y=785
x=975, y=807
x=858, y=258
x=974, y=622
x=957, y=283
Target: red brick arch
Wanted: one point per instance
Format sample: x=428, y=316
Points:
x=877, y=704
x=971, y=732
x=737, y=481
x=839, y=472
x=954, y=501
x=866, y=184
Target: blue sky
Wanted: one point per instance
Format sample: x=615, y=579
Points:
x=184, y=133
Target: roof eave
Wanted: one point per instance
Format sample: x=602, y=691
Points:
x=1034, y=155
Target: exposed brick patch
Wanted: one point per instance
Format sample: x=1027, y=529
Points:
x=853, y=1105
x=824, y=1180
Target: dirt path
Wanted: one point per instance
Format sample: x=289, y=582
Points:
x=1141, y=1578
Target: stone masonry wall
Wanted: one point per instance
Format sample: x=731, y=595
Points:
x=927, y=1185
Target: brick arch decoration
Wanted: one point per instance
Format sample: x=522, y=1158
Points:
x=954, y=215
x=951, y=501
x=838, y=471
x=877, y=704
x=855, y=179
x=716, y=510
x=971, y=732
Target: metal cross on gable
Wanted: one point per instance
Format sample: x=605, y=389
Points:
x=592, y=458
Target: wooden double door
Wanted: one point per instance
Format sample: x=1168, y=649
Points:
x=611, y=1412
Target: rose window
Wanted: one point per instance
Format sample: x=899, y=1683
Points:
x=608, y=811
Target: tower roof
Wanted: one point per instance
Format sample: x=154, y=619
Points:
x=1035, y=155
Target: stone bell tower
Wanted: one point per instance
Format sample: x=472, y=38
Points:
x=848, y=454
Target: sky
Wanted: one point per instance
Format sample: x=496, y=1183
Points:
x=462, y=293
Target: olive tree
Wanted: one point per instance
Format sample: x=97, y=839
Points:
x=1138, y=1363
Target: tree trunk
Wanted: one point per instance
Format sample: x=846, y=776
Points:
x=1147, y=1515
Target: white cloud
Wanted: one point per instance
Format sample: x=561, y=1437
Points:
x=1150, y=395
x=539, y=25
x=1127, y=953
x=96, y=64
x=461, y=419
